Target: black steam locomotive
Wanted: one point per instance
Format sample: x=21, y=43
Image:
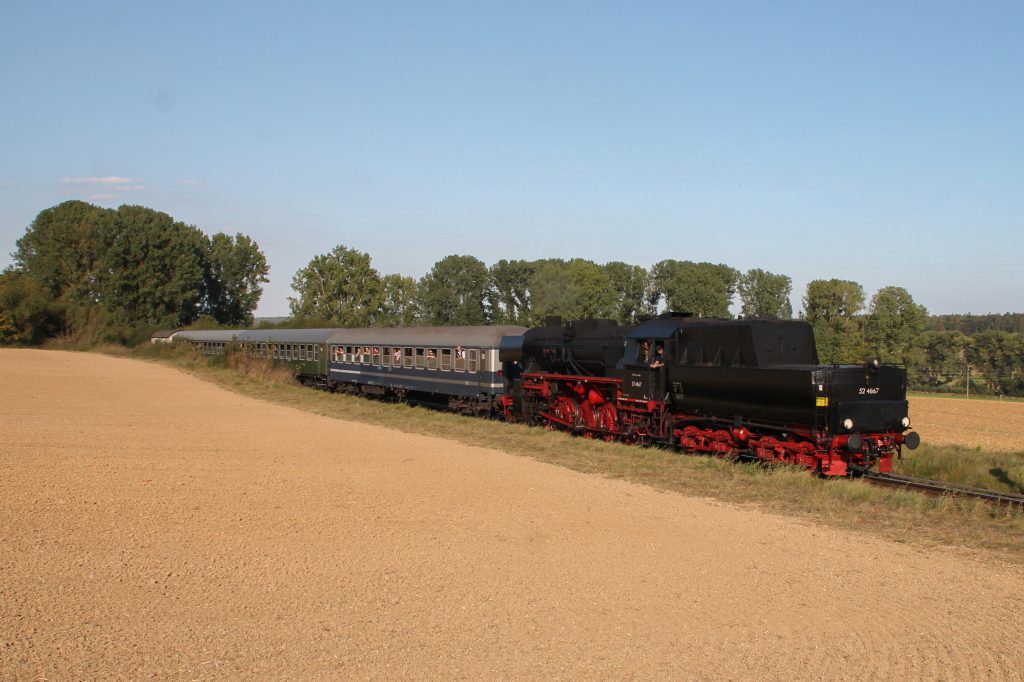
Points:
x=753, y=388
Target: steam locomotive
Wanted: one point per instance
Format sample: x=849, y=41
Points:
x=754, y=388
x=751, y=388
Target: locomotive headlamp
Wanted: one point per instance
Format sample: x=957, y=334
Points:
x=874, y=364
x=906, y=422
x=847, y=423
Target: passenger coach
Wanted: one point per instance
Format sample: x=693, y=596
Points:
x=301, y=350
x=457, y=366
x=453, y=366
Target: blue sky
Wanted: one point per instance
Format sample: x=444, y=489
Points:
x=881, y=142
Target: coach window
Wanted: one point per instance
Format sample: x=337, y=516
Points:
x=446, y=359
x=471, y=359
x=407, y=359
x=460, y=359
x=385, y=356
x=420, y=355
x=316, y=352
x=376, y=356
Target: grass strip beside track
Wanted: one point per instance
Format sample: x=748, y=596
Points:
x=899, y=515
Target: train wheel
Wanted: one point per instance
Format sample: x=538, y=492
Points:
x=566, y=409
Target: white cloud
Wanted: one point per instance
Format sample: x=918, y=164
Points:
x=110, y=180
x=96, y=188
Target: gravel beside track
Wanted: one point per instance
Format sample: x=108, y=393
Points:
x=152, y=524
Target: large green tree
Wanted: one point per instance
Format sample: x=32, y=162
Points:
x=509, y=292
x=340, y=287
x=571, y=289
x=152, y=268
x=831, y=306
x=63, y=248
x=631, y=285
x=764, y=294
x=454, y=292
x=109, y=272
x=894, y=327
x=398, y=308
x=705, y=289
x=235, y=269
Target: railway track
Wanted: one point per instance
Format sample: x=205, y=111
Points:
x=925, y=485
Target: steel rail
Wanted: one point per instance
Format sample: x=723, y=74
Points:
x=1000, y=497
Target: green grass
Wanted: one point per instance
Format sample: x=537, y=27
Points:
x=899, y=515
x=967, y=466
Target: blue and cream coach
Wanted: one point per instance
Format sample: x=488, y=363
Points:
x=457, y=364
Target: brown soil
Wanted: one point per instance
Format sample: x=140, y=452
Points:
x=988, y=424
x=155, y=525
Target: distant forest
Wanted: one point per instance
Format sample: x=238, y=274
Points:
x=89, y=275
x=975, y=324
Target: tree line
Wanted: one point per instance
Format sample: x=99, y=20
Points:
x=117, y=274
x=342, y=288
x=98, y=274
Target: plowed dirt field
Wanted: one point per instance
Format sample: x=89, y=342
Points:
x=989, y=424
x=152, y=525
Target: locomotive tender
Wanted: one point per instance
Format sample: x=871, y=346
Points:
x=752, y=388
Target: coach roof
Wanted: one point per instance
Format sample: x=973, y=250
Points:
x=487, y=336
